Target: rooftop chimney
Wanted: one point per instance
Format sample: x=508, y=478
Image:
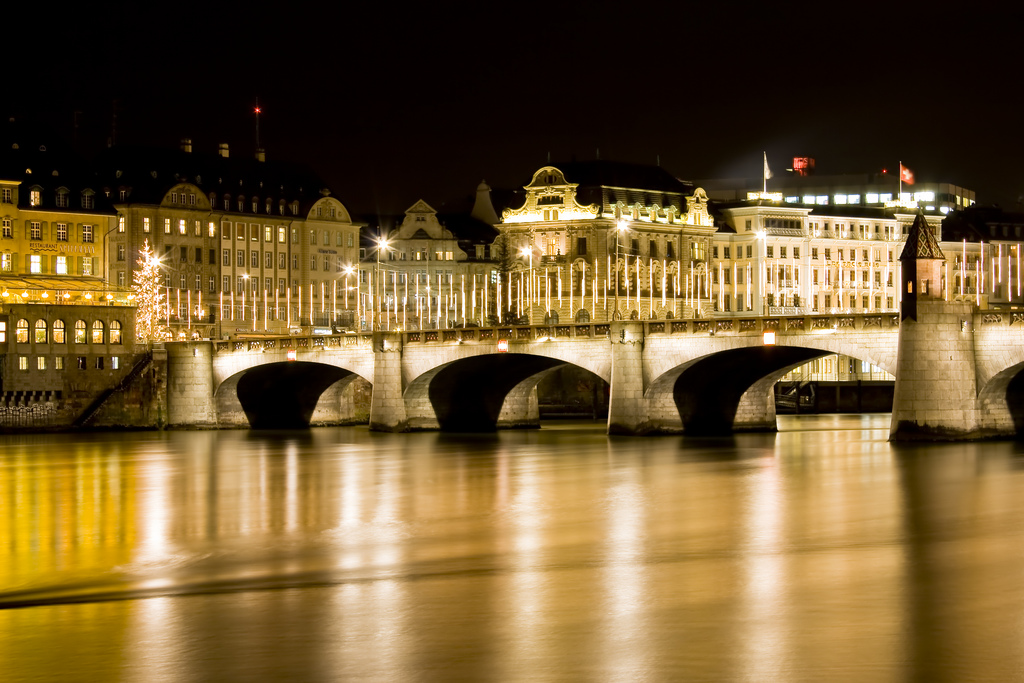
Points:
x=222, y=149
x=261, y=154
x=186, y=145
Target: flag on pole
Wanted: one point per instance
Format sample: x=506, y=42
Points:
x=767, y=171
x=906, y=175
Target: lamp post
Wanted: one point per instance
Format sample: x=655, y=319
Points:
x=528, y=251
x=348, y=271
x=620, y=226
x=382, y=245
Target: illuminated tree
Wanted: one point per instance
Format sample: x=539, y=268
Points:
x=147, y=286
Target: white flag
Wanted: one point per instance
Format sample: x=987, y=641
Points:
x=767, y=171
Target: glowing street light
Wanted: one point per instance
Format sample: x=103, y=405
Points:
x=620, y=226
x=382, y=245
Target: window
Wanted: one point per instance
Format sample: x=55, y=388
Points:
x=254, y=259
x=750, y=251
x=350, y=237
x=62, y=265
x=62, y=232
x=87, y=233
x=295, y=235
x=268, y=235
x=120, y=278
x=80, y=332
x=227, y=284
x=312, y=237
x=35, y=197
x=769, y=251
x=814, y=253
x=181, y=226
x=312, y=262
x=226, y=258
x=748, y=225
x=23, y=362
x=120, y=252
x=183, y=254
x=35, y=230
x=199, y=255
x=281, y=285
x=8, y=227
x=714, y=251
x=6, y=196
x=35, y=264
x=725, y=251
x=796, y=252
x=268, y=284
x=120, y=223
x=99, y=362
x=653, y=250
x=213, y=285
x=828, y=254
x=240, y=258
x=97, y=332
x=239, y=284
x=167, y=226
x=670, y=249
x=58, y=362
x=86, y=265
x=58, y=332
x=182, y=284
x=82, y=362
x=21, y=331
x=282, y=261
x=145, y=224
x=327, y=238
x=115, y=361
x=268, y=259
x=40, y=362
x=295, y=261
x=115, y=332
x=199, y=282
x=281, y=234
x=782, y=252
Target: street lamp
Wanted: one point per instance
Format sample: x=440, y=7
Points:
x=382, y=245
x=348, y=271
x=620, y=226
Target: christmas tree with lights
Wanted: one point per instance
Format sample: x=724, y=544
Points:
x=148, y=289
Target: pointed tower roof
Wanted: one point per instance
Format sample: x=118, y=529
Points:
x=483, y=209
x=921, y=243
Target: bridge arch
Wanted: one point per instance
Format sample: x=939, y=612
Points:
x=714, y=390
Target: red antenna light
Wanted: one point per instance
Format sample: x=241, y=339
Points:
x=257, y=110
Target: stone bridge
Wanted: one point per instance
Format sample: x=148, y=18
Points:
x=958, y=374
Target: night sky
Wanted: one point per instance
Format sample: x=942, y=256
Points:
x=390, y=103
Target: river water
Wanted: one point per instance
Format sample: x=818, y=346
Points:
x=820, y=552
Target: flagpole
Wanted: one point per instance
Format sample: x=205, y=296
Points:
x=899, y=196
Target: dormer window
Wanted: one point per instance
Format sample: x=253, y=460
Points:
x=295, y=208
x=268, y=205
x=241, y=204
x=35, y=196
x=255, y=205
x=62, y=198
x=88, y=199
x=174, y=198
x=280, y=207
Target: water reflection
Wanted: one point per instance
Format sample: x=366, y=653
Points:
x=560, y=554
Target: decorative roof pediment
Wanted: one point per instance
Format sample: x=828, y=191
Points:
x=421, y=223
x=549, y=197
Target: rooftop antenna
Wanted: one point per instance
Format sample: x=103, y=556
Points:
x=257, y=110
x=549, y=156
x=598, y=152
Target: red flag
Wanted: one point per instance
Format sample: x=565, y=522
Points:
x=906, y=175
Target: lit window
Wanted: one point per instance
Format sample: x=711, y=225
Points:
x=62, y=265
x=97, y=332
x=212, y=228
x=62, y=232
x=23, y=362
x=840, y=199
x=35, y=263
x=821, y=199
x=40, y=362
x=58, y=362
x=21, y=331
x=871, y=197
x=167, y=226
x=145, y=224
x=8, y=227
x=87, y=233
x=181, y=226
x=58, y=331
x=120, y=223
x=115, y=361
x=808, y=199
x=35, y=230
x=853, y=199
x=35, y=197
x=115, y=332
x=281, y=235
x=86, y=265
x=885, y=197
x=3, y=330
x=7, y=197
x=80, y=330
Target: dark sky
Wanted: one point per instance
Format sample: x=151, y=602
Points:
x=392, y=103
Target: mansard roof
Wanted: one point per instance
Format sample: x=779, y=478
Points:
x=148, y=173
x=605, y=183
x=921, y=242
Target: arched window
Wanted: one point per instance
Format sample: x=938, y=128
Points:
x=80, y=332
x=41, y=331
x=21, y=331
x=583, y=316
x=551, y=318
x=97, y=332
x=115, y=332
x=58, y=332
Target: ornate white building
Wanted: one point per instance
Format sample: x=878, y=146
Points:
x=599, y=241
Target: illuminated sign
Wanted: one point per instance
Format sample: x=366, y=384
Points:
x=291, y=354
x=769, y=338
x=768, y=196
x=503, y=346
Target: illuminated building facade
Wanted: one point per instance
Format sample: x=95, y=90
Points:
x=248, y=245
x=433, y=270
x=773, y=258
x=600, y=240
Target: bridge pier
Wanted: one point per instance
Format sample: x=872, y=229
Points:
x=627, y=406
x=935, y=394
x=387, y=403
x=190, y=396
x=521, y=409
x=756, y=409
